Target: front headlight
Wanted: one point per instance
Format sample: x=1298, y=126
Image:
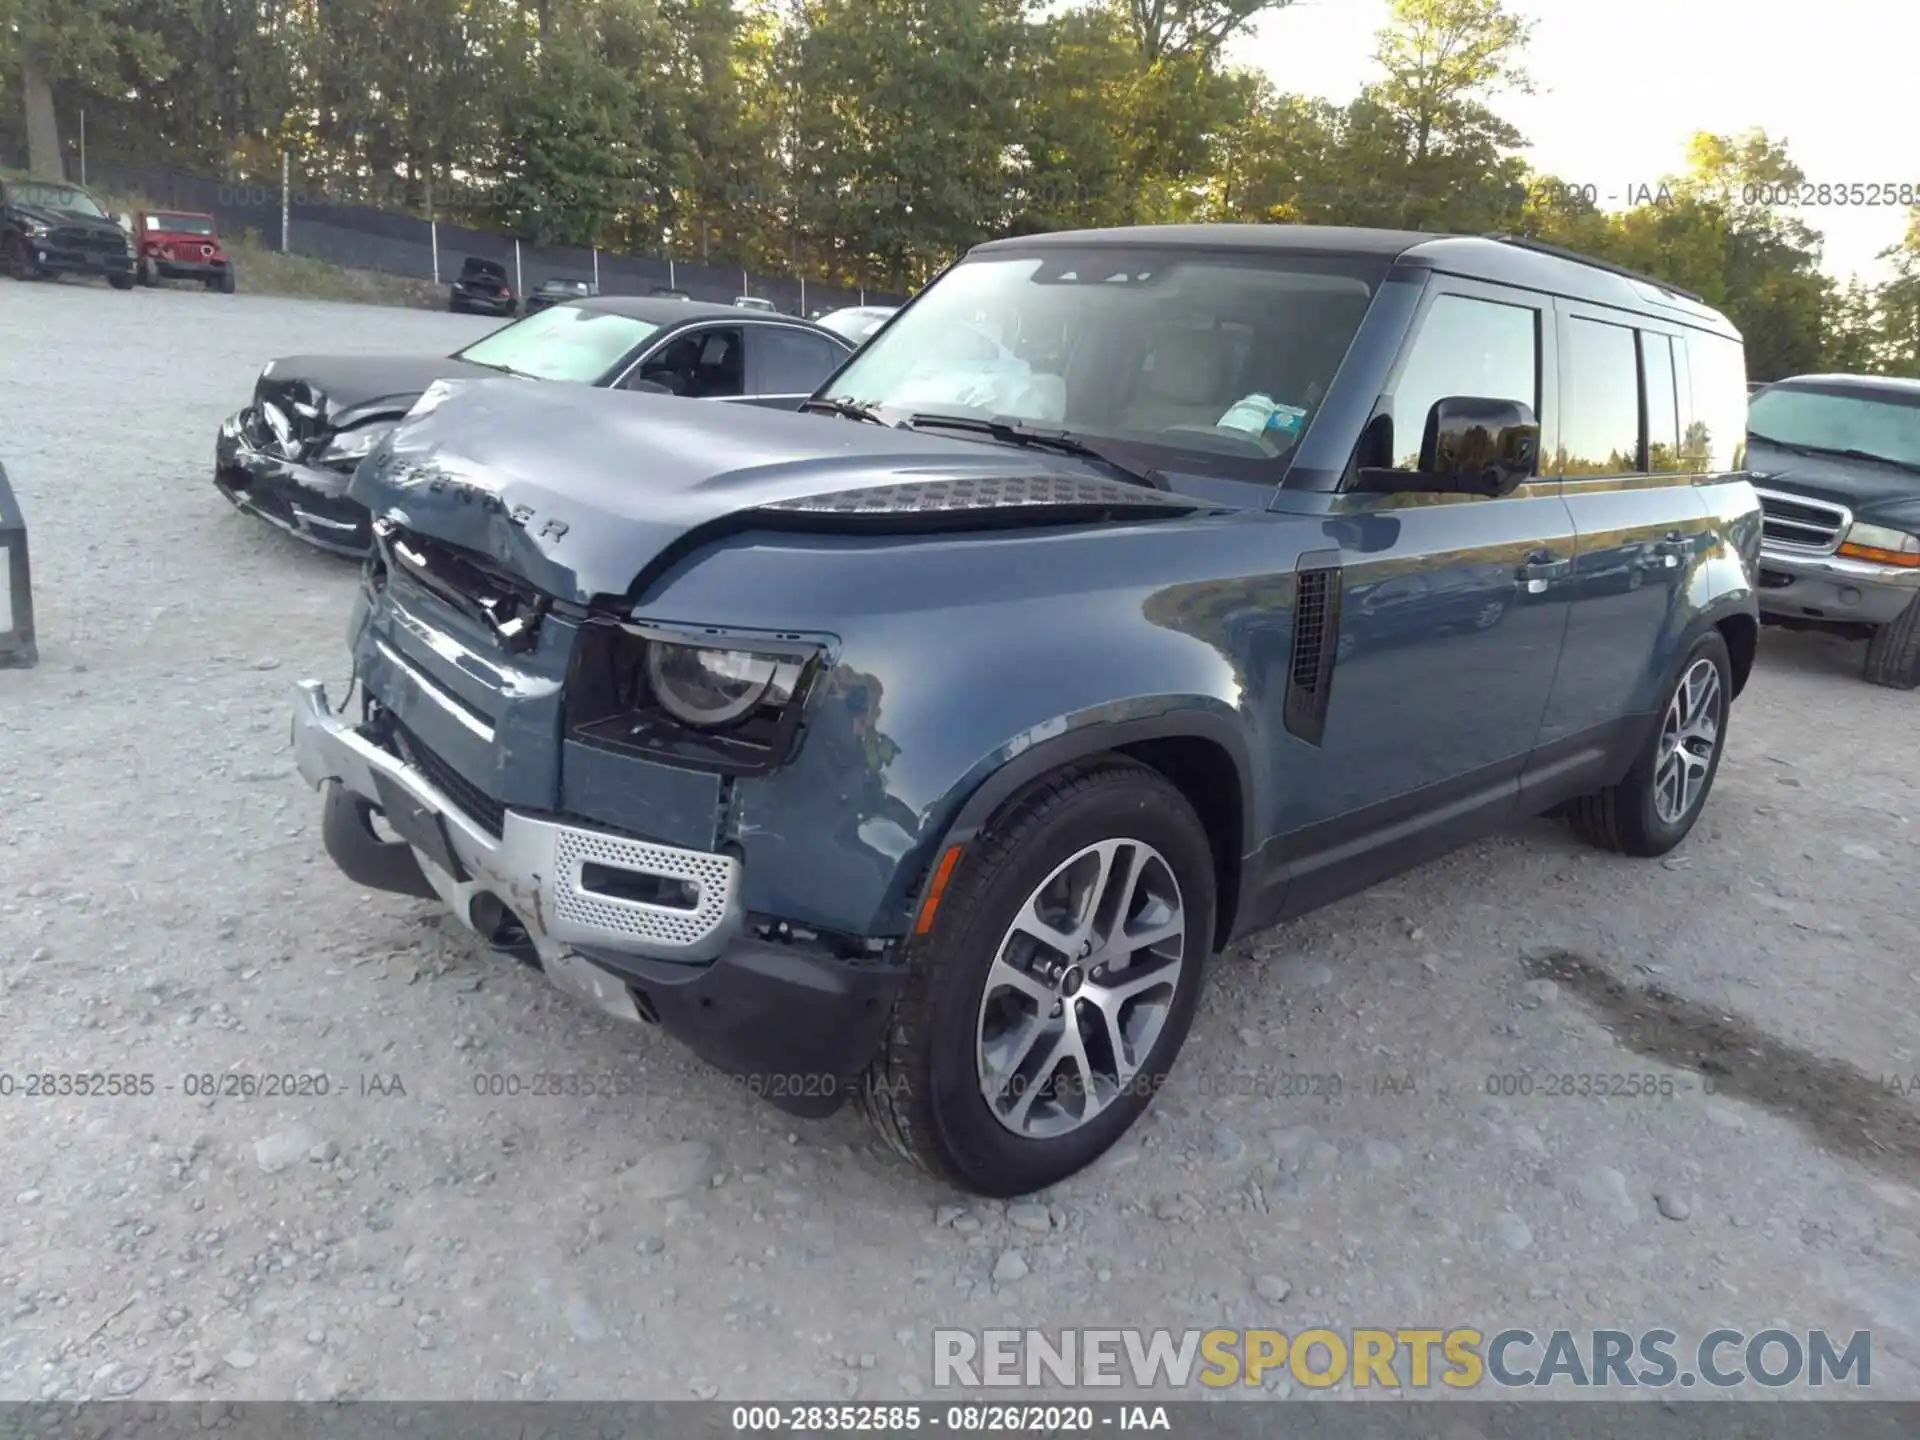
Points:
x=352, y=446
x=1881, y=544
x=709, y=688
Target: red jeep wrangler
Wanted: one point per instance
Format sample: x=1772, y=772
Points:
x=179, y=245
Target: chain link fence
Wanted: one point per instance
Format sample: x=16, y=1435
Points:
x=308, y=220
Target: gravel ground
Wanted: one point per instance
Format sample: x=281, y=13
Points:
x=166, y=910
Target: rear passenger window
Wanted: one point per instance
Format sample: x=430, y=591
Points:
x=1663, y=407
x=1716, y=435
x=1600, y=407
x=1478, y=348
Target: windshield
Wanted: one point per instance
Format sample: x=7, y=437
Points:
x=1834, y=418
x=563, y=342
x=1211, y=361
x=180, y=224
x=55, y=197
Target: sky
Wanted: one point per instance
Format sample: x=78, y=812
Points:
x=1623, y=84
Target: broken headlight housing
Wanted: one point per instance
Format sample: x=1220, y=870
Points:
x=348, y=448
x=728, y=704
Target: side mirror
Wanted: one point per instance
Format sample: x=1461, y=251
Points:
x=1472, y=445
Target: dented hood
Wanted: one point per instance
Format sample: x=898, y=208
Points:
x=331, y=392
x=579, y=490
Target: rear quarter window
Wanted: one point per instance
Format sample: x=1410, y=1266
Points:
x=1715, y=438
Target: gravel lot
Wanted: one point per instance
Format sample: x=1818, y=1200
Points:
x=166, y=910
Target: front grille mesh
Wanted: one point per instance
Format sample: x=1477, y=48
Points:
x=485, y=811
x=1797, y=524
x=574, y=905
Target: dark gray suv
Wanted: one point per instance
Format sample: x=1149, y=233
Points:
x=1131, y=591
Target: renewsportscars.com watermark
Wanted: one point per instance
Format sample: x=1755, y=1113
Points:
x=1399, y=1359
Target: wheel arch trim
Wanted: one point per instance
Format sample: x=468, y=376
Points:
x=1070, y=740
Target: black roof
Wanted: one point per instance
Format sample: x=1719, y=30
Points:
x=1499, y=259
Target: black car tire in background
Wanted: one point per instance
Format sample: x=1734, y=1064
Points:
x=1893, y=654
x=924, y=1091
x=18, y=265
x=143, y=272
x=224, y=282
x=1625, y=818
x=121, y=282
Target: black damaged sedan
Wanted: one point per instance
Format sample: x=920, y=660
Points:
x=287, y=457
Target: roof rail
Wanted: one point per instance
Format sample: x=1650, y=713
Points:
x=1526, y=242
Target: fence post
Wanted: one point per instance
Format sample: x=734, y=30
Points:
x=746, y=287
x=83, y=148
x=286, y=192
x=671, y=282
x=596, y=267
x=433, y=239
x=519, y=285
x=803, y=297
x=863, y=295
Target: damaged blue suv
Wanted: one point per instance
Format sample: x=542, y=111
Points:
x=1130, y=591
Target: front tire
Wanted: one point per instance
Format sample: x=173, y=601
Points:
x=19, y=263
x=1047, y=1004
x=120, y=282
x=1893, y=654
x=1651, y=810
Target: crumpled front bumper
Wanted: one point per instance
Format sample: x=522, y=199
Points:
x=306, y=501
x=798, y=1026
x=1834, y=587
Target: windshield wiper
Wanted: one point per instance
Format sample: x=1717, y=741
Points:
x=843, y=406
x=1061, y=442
x=1844, y=453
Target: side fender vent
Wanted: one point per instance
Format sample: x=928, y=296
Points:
x=1316, y=640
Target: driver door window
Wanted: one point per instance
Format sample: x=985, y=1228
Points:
x=1466, y=346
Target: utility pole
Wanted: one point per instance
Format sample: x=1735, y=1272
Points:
x=286, y=196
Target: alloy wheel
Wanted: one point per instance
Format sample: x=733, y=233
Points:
x=1689, y=738
x=1081, y=988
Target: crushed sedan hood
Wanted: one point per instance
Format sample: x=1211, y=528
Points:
x=580, y=490
x=343, y=390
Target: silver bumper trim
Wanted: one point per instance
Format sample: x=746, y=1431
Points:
x=1841, y=568
x=537, y=868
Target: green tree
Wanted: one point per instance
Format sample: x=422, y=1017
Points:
x=900, y=123
x=1897, y=328
x=85, y=43
x=1164, y=29
x=1422, y=148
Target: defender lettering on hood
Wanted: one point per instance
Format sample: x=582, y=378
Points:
x=641, y=476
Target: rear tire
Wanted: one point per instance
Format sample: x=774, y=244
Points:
x=1077, y=849
x=120, y=282
x=1651, y=810
x=143, y=273
x=229, y=281
x=1893, y=654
